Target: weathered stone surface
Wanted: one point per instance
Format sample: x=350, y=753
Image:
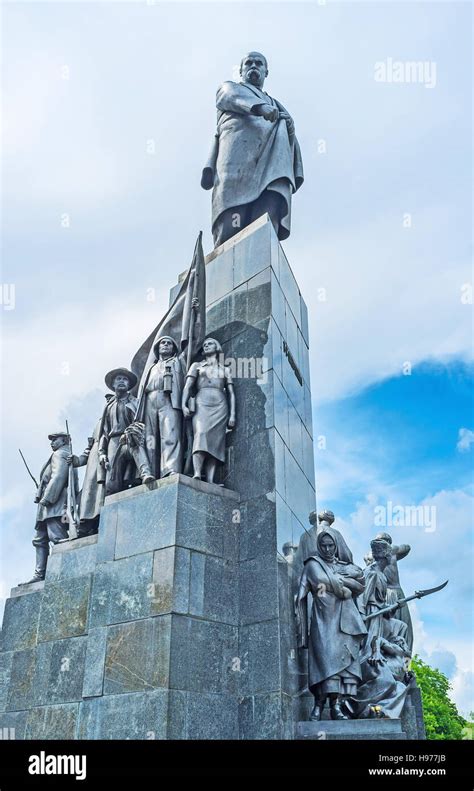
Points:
x=60, y=670
x=74, y=559
x=177, y=704
x=107, y=535
x=213, y=588
x=138, y=655
x=150, y=527
x=171, y=580
x=157, y=526
x=202, y=655
x=294, y=676
x=6, y=659
x=261, y=449
x=258, y=589
x=265, y=716
x=13, y=724
x=20, y=622
x=258, y=536
x=73, y=546
x=21, y=692
x=64, y=608
x=259, y=296
x=260, y=657
x=93, y=683
x=415, y=697
x=220, y=276
x=52, y=722
x=142, y=715
x=254, y=252
x=121, y=590
x=211, y=716
x=207, y=523
x=408, y=719
x=284, y=531
x=22, y=590
x=300, y=495
x=289, y=286
x=350, y=729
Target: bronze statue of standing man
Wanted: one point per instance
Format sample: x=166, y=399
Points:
x=51, y=520
x=160, y=411
x=255, y=163
x=118, y=414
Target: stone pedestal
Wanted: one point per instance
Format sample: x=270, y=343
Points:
x=330, y=730
x=256, y=311
x=134, y=633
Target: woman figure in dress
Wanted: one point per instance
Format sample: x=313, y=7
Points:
x=214, y=409
x=337, y=629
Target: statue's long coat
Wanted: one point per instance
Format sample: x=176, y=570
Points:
x=337, y=628
x=53, y=485
x=93, y=489
x=250, y=154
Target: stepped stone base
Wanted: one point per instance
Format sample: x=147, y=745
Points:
x=350, y=729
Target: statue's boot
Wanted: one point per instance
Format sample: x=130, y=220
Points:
x=141, y=460
x=316, y=713
x=40, y=570
x=145, y=474
x=336, y=711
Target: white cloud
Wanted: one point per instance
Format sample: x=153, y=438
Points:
x=383, y=305
x=453, y=657
x=466, y=439
x=54, y=362
x=463, y=692
x=442, y=622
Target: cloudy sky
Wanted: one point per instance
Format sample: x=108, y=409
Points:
x=109, y=114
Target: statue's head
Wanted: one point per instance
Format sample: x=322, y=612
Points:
x=165, y=347
x=211, y=346
x=326, y=516
x=384, y=537
x=58, y=440
x=381, y=549
x=326, y=546
x=121, y=383
x=120, y=380
x=288, y=549
x=254, y=69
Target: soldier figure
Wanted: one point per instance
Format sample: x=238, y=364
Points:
x=51, y=521
x=160, y=411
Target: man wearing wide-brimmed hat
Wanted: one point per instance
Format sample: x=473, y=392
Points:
x=118, y=414
x=51, y=521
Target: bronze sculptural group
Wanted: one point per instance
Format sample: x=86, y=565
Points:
x=137, y=441
x=359, y=634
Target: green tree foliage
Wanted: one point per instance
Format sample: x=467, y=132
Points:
x=442, y=719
